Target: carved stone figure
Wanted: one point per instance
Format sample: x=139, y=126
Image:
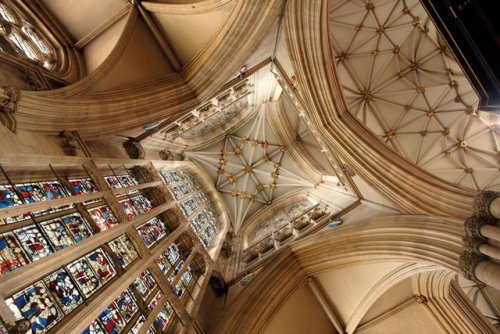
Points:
x=134, y=149
x=11, y=96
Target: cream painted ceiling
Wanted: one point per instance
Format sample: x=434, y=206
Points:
x=402, y=82
x=181, y=28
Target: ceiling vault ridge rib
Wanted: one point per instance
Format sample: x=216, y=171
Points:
x=309, y=49
x=198, y=7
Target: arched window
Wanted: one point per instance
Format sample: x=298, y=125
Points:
x=23, y=38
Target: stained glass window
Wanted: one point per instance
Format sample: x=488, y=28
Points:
x=142, y=204
x=57, y=233
x=6, y=14
x=101, y=264
x=103, y=217
x=112, y=182
x=36, y=304
x=189, y=206
x=164, y=316
x=152, y=231
x=31, y=192
x=124, y=250
x=77, y=226
x=208, y=235
x=94, y=328
x=63, y=290
x=127, y=180
x=145, y=284
x=112, y=320
x=83, y=186
x=36, y=40
x=138, y=324
x=187, y=277
x=12, y=256
x=180, y=191
x=22, y=45
x=8, y=197
x=84, y=276
x=128, y=208
x=126, y=305
x=173, y=253
x=172, y=176
x=163, y=263
x=33, y=242
x=53, y=189
x=156, y=299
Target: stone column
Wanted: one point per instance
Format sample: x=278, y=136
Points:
x=487, y=205
x=490, y=232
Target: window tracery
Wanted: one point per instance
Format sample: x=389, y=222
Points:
x=23, y=38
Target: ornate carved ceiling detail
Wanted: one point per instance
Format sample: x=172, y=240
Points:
x=210, y=115
x=249, y=169
x=403, y=83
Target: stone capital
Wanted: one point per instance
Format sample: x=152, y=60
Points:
x=467, y=265
x=482, y=204
x=473, y=226
x=471, y=244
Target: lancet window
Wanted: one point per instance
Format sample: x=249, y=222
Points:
x=21, y=38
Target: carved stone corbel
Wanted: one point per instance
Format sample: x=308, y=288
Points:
x=473, y=226
x=11, y=96
x=467, y=265
x=134, y=149
x=171, y=156
x=70, y=143
x=471, y=245
x=482, y=204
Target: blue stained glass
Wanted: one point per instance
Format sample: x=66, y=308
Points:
x=187, y=276
x=128, y=208
x=145, y=284
x=189, y=206
x=103, y=217
x=138, y=324
x=35, y=303
x=83, y=186
x=152, y=231
x=31, y=192
x=163, y=263
x=86, y=279
x=101, y=264
x=94, y=328
x=57, y=234
x=172, y=176
x=53, y=189
x=142, y=204
x=33, y=242
x=172, y=253
x=124, y=250
x=112, y=320
x=180, y=191
x=112, y=182
x=11, y=254
x=156, y=299
x=8, y=197
x=127, y=180
x=64, y=291
x=77, y=226
x=164, y=316
x=126, y=305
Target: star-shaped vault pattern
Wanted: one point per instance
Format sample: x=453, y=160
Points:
x=403, y=83
x=250, y=170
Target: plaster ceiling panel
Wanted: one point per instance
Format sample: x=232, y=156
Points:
x=141, y=61
x=80, y=18
x=411, y=319
x=99, y=48
x=250, y=168
x=300, y=313
x=189, y=33
x=402, y=82
x=347, y=287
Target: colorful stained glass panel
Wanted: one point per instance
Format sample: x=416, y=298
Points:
x=31, y=192
x=33, y=242
x=103, y=217
x=126, y=305
x=128, y=208
x=164, y=316
x=94, y=328
x=138, y=324
x=141, y=204
x=53, y=189
x=124, y=250
x=152, y=231
x=86, y=279
x=156, y=299
x=77, y=226
x=57, y=233
x=112, y=320
x=101, y=264
x=36, y=304
x=112, y=182
x=63, y=290
x=8, y=196
x=12, y=256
